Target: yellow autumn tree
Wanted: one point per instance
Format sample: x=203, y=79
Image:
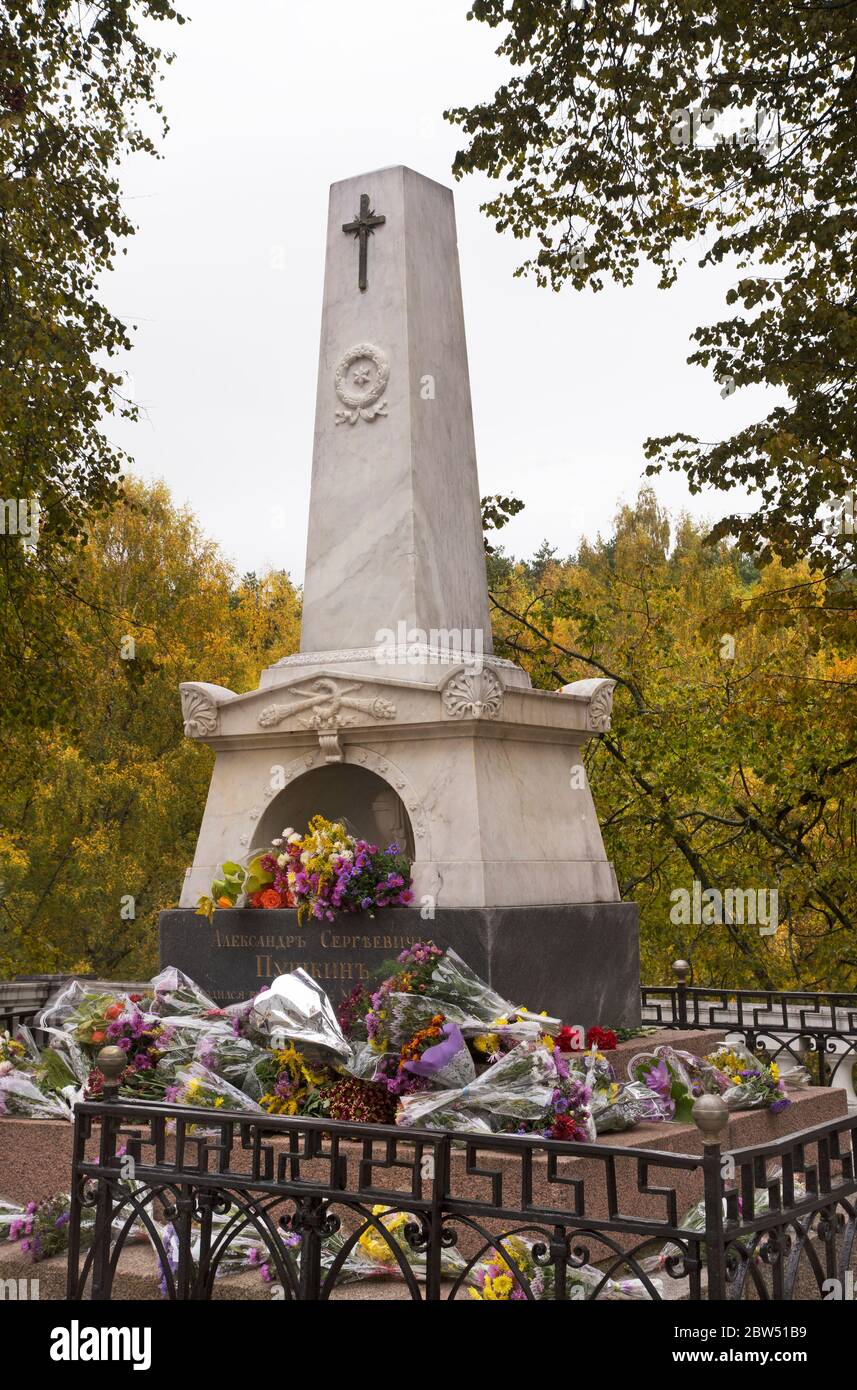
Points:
x=102, y=806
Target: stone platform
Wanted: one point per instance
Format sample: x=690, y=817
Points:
x=580, y=961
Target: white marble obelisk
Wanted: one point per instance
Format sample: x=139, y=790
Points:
x=394, y=541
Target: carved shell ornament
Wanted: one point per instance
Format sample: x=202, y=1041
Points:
x=473, y=695
x=361, y=380
x=199, y=712
x=601, y=707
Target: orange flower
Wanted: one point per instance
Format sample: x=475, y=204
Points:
x=98, y=1036
x=224, y=902
x=270, y=898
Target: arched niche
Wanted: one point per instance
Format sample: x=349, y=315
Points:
x=370, y=807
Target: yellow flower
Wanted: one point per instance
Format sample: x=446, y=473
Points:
x=502, y=1286
x=775, y=1071
x=218, y=1103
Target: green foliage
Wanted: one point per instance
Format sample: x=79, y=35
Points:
x=732, y=757
x=77, y=88
x=101, y=807
x=590, y=135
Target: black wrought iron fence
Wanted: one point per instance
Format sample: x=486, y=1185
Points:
x=317, y=1203
x=817, y=1030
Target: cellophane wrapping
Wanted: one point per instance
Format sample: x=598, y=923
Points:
x=516, y=1089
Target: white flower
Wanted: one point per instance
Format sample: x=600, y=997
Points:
x=305, y=857
x=289, y=832
x=347, y=854
x=294, y=839
x=5, y=1068
x=282, y=860
x=276, y=842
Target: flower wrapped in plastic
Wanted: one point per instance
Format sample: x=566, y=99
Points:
x=695, y=1222
x=751, y=1083
x=616, y=1106
x=296, y=1009
x=200, y=1088
x=175, y=993
x=406, y=1014
x=678, y=1078
x=511, y=1273
x=517, y=1089
x=374, y=1255
x=286, y=1081
x=222, y=1051
x=453, y=981
x=20, y=1095
x=40, y=1230
x=440, y=1055
x=626, y=1105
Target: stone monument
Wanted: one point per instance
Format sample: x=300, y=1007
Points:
x=395, y=714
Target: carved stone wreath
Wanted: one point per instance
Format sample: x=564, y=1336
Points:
x=473, y=695
x=363, y=404
x=326, y=707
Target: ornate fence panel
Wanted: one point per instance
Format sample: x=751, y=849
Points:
x=319, y=1203
x=791, y=1216
x=818, y=1031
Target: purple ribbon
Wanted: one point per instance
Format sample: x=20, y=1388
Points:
x=434, y=1059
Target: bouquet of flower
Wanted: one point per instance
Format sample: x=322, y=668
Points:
x=221, y=1050
x=323, y=872
x=568, y=1115
x=517, y=1089
x=678, y=1078
x=13, y=1054
x=20, y=1095
x=198, y=1087
x=695, y=1222
x=361, y=1102
x=511, y=1273
x=176, y=994
x=286, y=1083
x=752, y=1084
x=453, y=981
x=615, y=1107
x=40, y=1229
x=439, y=1054
x=504, y=1034
x=295, y=1008
x=405, y=1015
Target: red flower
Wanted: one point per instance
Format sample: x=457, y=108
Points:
x=269, y=898
x=135, y=998
x=567, y=1039
x=602, y=1038
x=563, y=1127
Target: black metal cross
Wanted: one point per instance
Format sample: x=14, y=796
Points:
x=363, y=227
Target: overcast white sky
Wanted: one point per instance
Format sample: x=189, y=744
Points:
x=269, y=102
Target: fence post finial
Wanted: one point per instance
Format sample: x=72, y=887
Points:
x=711, y=1116
x=111, y=1062
x=681, y=970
